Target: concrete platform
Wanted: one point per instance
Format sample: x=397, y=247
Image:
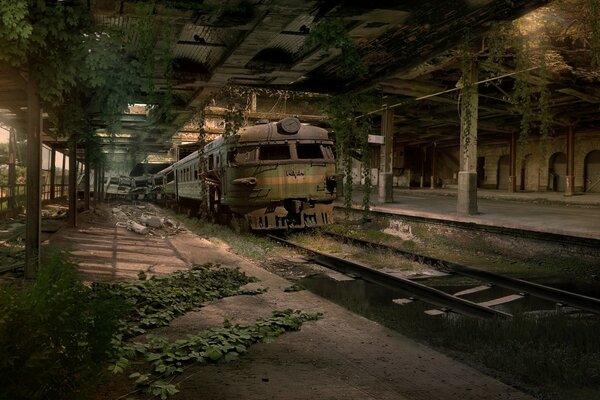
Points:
x=551, y=212
x=341, y=356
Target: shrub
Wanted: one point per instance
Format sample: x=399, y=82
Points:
x=55, y=334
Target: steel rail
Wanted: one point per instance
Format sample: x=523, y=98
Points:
x=430, y=295
x=590, y=304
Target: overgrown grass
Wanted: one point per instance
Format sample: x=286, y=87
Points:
x=247, y=245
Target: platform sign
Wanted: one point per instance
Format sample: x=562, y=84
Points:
x=376, y=139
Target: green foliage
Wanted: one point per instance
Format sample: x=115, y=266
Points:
x=331, y=33
x=168, y=359
x=351, y=138
x=55, y=334
x=156, y=301
x=296, y=287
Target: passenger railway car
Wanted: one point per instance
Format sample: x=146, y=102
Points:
x=270, y=176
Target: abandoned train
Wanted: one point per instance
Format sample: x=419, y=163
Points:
x=270, y=176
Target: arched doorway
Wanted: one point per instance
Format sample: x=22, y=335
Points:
x=503, y=172
x=592, y=172
x=557, y=172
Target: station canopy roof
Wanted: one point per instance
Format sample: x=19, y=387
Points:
x=409, y=49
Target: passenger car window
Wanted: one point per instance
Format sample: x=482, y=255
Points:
x=309, y=151
x=274, y=152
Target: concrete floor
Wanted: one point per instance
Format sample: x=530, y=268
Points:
x=341, y=356
x=536, y=211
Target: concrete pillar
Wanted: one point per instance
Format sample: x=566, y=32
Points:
x=467, y=175
x=12, y=173
x=512, y=175
x=433, y=155
x=73, y=181
x=52, y=174
x=34, y=189
x=570, y=162
x=386, y=180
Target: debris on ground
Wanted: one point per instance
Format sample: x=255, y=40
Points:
x=144, y=219
x=55, y=211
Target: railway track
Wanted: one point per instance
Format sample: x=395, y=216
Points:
x=444, y=301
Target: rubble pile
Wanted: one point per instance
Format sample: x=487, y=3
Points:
x=144, y=219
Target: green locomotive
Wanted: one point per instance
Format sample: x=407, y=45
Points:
x=271, y=176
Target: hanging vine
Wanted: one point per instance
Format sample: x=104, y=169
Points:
x=351, y=141
x=466, y=105
x=331, y=33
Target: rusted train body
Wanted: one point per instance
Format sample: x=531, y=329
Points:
x=272, y=176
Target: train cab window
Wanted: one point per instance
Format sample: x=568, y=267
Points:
x=218, y=163
x=195, y=173
x=328, y=152
x=274, y=152
x=211, y=162
x=309, y=151
x=242, y=155
x=170, y=176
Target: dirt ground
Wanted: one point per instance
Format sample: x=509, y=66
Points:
x=341, y=356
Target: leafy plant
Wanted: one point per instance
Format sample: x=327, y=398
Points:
x=55, y=334
x=168, y=359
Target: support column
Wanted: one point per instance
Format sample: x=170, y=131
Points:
x=34, y=165
x=62, y=178
x=512, y=176
x=423, y=157
x=86, y=178
x=96, y=186
x=467, y=175
x=102, y=183
x=12, y=172
x=570, y=162
x=386, y=194
x=73, y=181
x=52, y=174
x=433, y=171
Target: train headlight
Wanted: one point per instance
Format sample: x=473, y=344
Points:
x=250, y=181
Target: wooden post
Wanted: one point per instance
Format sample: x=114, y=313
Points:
x=12, y=173
x=52, y=174
x=73, y=181
x=570, y=161
x=34, y=164
x=512, y=176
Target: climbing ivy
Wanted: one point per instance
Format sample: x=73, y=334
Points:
x=351, y=138
x=331, y=33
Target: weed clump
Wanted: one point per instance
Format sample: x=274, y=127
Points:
x=55, y=334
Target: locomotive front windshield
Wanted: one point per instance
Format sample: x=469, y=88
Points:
x=280, y=152
x=274, y=152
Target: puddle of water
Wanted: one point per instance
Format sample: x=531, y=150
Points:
x=370, y=299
